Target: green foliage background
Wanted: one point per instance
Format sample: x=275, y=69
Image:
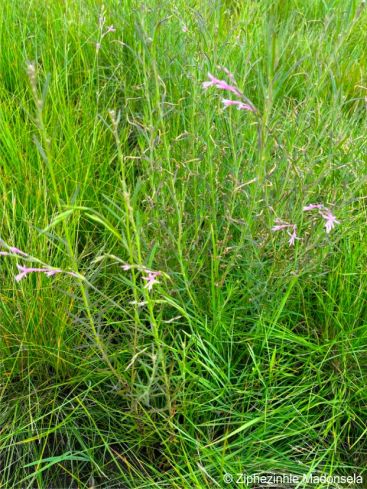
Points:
x=250, y=355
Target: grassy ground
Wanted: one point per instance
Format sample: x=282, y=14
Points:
x=249, y=355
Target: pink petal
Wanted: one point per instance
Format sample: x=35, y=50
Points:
x=293, y=237
x=223, y=85
x=240, y=105
x=20, y=276
x=330, y=221
x=17, y=251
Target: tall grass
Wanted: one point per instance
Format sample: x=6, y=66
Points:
x=249, y=355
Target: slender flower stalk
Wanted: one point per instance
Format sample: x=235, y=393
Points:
x=280, y=227
x=101, y=19
x=311, y=207
x=101, y=26
x=242, y=103
x=229, y=74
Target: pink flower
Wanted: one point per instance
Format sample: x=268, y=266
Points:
x=24, y=271
x=151, y=279
x=110, y=29
x=17, y=251
x=240, y=105
x=325, y=213
x=293, y=236
x=149, y=276
x=12, y=250
x=281, y=225
x=223, y=85
x=330, y=220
